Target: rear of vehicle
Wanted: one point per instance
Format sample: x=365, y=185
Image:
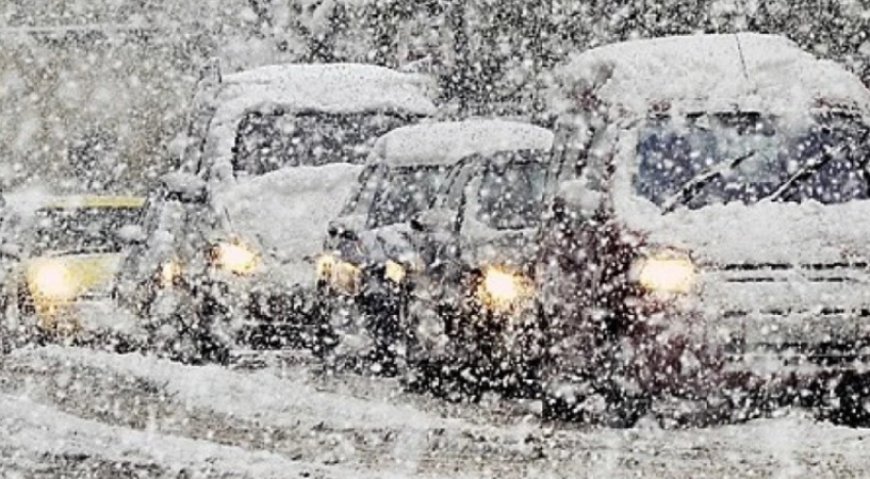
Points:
x=367, y=270
x=280, y=149
x=706, y=242
x=68, y=253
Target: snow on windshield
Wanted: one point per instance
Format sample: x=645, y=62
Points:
x=267, y=142
x=752, y=157
x=88, y=230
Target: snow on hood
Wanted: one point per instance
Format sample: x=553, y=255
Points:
x=446, y=143
x=763, y=232
x=287, y=212
x=766, y=232
x=747, y=71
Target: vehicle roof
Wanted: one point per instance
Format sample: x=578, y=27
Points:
x=333, y=87
x=747, y=71
x=328, y=88
x=445, y=143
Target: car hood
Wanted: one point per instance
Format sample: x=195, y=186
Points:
x=285, y=214
x=764, y=233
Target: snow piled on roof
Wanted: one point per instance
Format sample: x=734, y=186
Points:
x=746, y=70
x=447, y=142
x=335, y=87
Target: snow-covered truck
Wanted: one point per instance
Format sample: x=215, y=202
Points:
x=703, y=252
x=707, y=231
x=272, y=155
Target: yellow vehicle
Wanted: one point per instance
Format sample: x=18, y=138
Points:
x=66, y=252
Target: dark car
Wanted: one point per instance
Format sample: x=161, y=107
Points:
x=477, y=242
x=371, y=262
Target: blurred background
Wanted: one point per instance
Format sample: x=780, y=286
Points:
x=94, y=93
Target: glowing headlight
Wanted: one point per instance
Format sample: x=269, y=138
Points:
x=394, y=272
x=343, y=276
x=235, y=258
x=169, y=272
x=666, y=274
x=325, y=265
x=52, y=280
x=501, y=289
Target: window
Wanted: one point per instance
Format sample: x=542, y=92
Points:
x=511, y=191
x=266, y=142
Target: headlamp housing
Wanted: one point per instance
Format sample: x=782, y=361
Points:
x=665, y=272
x=344, y=277
x=501, y=289
x=235, y=257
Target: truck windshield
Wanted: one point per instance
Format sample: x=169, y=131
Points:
x=266, y=142
x=714, y=159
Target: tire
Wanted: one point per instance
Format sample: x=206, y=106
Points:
x=180, y=326
x=605, y=403
x=853, y=401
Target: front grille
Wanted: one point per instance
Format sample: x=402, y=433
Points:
x=825, y=354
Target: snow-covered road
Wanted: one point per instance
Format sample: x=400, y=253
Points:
x=80, y=413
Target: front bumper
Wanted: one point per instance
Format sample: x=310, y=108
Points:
x=245, y=311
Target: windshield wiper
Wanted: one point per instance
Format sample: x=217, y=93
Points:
x=805, y=172
x=691, y=188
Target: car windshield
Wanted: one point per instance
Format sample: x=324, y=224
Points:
x=714, y=159
x=266, y=142
x=512, y=189
x=403, y=192
x=86, y=230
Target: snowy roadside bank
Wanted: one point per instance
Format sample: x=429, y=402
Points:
x=162, y=417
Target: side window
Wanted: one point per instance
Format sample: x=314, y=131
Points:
x=404, y=192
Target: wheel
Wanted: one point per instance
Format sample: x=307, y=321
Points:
x=601, y=402
x=852, y=407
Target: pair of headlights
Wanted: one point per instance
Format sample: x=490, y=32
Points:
x=232, y=257
x=347, y=277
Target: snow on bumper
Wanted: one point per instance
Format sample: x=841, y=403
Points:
x=764, y=320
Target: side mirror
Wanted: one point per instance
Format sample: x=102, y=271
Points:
x=433, y=220
x=185, y=187
x=346, y=227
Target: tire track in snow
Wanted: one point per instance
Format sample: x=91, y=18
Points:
x=336, y=421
